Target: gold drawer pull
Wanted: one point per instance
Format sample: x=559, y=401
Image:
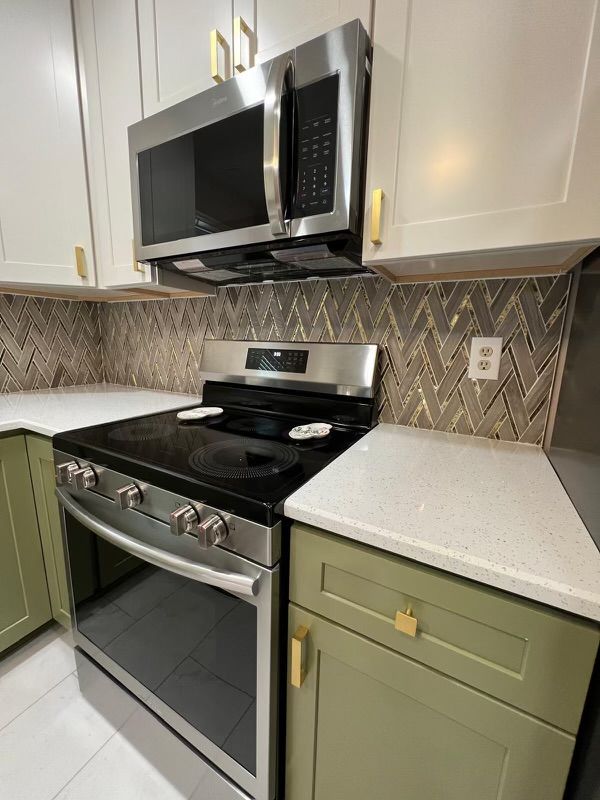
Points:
x=406, y=623
x=240, y=26
x=137, y=267
x=216, y=39
x=298, y=670
x=376, y=201
x=80, y=264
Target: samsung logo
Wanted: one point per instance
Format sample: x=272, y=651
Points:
x=219, y=101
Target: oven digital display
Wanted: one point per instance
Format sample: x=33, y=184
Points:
x=272, y=360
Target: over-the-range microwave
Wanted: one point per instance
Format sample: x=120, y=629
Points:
x=259, y=178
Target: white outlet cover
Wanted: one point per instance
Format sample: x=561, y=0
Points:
x=489, y=373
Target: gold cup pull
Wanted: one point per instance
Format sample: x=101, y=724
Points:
x=240, y=26
x=298, y=665
x=137, y=267
x=376, y=201
x=406, y=623
x=217, y=39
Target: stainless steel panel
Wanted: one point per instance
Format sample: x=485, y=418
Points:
x=343, y=369
x=247, y=538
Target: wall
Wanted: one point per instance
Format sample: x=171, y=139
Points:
x=46, y=343
x=423, y=329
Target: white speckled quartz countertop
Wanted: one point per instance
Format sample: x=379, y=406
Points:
x=50, y=411
x=491, y=511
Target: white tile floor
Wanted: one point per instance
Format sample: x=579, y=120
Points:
x=67, y=732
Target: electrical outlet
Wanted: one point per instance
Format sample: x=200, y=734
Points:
x=484, y=360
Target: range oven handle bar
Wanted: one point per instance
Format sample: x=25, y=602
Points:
x=212, y=576
x=279, y=69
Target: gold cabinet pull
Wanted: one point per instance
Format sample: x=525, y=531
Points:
x=298, y=665
x=80, y=264
x=406, y=623
x=137, y=267
x=240, y=26
x=217, y=39
x=376, y=201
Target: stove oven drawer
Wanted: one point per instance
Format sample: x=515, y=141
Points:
x=525, y=654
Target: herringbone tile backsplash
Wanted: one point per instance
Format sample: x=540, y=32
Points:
x=423, y=330
x=46, y=343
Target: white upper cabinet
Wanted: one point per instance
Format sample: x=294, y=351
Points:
x=175, y=48
x=107, y=35
x=282, y=25
x=44, y=209
x=484, y=131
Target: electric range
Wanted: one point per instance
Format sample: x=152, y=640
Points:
x=176, y=539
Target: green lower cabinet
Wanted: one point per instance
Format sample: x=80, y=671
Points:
x=370, y=723
x=41, y=464
x=24, y=601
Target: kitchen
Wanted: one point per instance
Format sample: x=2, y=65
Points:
x=297, y=399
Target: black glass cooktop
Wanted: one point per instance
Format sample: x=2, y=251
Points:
x=241, y=462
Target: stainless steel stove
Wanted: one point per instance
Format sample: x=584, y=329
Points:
x=176, y=539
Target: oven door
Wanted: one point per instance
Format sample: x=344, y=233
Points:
x=213, y=171
x=192, y=633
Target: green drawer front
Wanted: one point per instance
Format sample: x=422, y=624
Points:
x=532, y=657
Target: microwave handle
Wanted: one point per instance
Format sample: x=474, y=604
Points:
x=204, y=573
x=280, y=67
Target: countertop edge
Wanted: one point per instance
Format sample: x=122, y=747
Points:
x=556, y=596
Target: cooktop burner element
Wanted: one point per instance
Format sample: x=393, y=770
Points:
x=141, y=432
x=243, y=459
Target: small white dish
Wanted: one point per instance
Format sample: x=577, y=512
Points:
x=314, y=430
x=192, y=414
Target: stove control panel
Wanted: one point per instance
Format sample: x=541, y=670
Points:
x=271, y=360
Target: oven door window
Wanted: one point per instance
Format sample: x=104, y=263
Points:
x=207, y=181
x=191, y=645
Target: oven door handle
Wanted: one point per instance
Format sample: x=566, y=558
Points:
x=279, y=69
x=212, y=576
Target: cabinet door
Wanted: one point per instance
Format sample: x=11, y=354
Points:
x=44, y=209
x=175, y=48
x=108, y=44
x=281, y=26
x=484, y=126
x=367, y=722
x=41, y=465
x=24, y=603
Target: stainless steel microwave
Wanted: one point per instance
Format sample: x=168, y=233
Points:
x=259, y=178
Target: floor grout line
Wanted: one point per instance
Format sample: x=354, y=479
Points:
x=37, y=700
x=85, y=764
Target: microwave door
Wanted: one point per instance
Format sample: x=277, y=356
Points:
x=212, y=172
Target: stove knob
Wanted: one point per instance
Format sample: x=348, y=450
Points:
x=183, y=520
x=128, y=496
x=64, y=471
x=84, y=478
x=212, y=531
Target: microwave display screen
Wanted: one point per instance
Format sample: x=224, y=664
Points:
x=276, y=360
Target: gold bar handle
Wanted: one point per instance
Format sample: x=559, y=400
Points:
x=406, y=623
x=80, y=263
x=240, y=26
x=376, y=201
x=216, y=39
x=137, y=267
x=298, y=666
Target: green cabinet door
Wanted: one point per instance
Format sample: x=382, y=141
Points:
x=370, y=723
x=24, y=602
x=41, y=464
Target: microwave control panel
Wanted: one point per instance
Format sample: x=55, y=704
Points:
x=317, y=106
